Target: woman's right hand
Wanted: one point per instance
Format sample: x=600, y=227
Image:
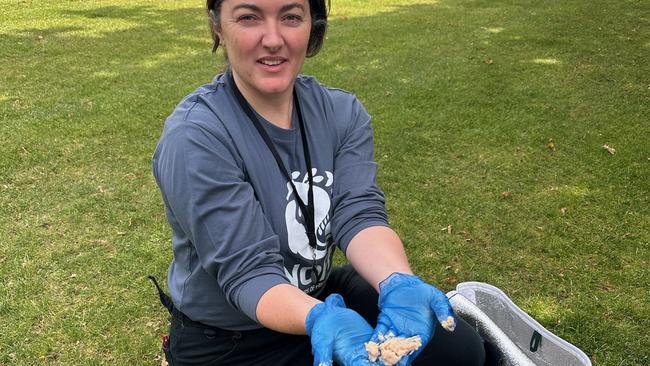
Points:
x=337, y=333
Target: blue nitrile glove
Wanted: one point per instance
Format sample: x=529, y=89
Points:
x=408, y=307
x=337, y=333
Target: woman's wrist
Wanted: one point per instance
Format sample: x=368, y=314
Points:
x=376, y=253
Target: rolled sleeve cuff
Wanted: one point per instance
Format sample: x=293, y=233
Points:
x=250, y=292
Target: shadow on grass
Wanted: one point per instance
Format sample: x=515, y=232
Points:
x=429, y=42
x=140, y=13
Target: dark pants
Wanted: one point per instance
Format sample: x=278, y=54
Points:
x=196, y=345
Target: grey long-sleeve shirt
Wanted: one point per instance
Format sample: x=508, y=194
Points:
x=236, y=227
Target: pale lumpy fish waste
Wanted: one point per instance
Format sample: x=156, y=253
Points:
x=392, y=349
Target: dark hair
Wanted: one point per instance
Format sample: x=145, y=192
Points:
x=318, y=10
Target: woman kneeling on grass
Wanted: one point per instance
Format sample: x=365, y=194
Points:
x=263, y=173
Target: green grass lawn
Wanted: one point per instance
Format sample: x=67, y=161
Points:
x=490, y=119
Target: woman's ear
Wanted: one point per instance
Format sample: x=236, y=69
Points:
x=214, y=24
x=215, y=27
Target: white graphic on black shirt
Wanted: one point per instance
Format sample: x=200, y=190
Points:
x=296, y=236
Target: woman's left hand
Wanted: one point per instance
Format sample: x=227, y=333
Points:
x=408, y=307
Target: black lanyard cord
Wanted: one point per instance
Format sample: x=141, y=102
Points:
x=310, y=192
x=307, y=210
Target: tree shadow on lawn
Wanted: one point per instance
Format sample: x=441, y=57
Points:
x=140, y=13
x=433, y=44
x=89, y=83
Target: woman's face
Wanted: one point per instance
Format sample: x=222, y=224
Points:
x=266, y=42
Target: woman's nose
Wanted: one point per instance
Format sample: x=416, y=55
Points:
x=272, y=38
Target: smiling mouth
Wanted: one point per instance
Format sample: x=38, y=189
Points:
x=271, y=62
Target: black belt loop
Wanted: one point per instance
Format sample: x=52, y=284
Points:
x=236, y=337
x=164, y=298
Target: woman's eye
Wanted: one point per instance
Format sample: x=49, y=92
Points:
x=293, y=19
x=247, y=18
